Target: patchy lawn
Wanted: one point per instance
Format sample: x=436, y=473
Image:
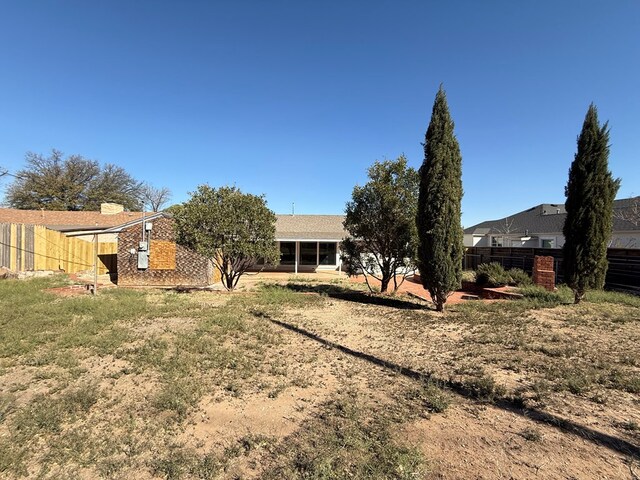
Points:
x=318, y=381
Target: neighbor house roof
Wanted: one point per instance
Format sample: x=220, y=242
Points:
x=66, y=221
x=310, y=227
x=545, y=218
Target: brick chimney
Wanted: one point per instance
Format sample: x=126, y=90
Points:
x=111, y=208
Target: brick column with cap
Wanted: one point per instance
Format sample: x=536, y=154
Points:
x=543, y=273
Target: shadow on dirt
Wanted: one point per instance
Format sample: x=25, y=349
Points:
x=468, y=391
x=356, y=296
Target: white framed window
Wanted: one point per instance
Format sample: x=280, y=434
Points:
x=287, y=253
x=497, y=241
x=327, y=253
x=548, y=242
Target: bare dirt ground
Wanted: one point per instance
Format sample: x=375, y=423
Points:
x=475, y=439
x=313, y=379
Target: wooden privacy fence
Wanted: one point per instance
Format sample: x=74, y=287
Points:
x=34, y=247
x=623, y=272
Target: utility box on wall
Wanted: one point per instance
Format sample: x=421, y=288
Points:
x=159, y=261
x=143, y=256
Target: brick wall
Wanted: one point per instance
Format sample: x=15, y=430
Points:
x=543, y=273
x=169, y=264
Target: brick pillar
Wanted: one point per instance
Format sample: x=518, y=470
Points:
x=543, y=273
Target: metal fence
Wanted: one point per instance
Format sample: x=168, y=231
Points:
x=623, y=272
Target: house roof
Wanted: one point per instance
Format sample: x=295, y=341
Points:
x=148, y=217
x=546, y=218
x=310, y=227
x=67, y=221
x=288, y=227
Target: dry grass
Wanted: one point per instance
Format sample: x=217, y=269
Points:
x=308, y=381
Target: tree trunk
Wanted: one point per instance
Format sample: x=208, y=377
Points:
x=439, y=300
x=229, y=282
x=384, y=284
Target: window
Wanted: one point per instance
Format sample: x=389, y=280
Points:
x=547, y=242
x=287, y=253
x=497, y=241
x=308, y=253
x=327, y=253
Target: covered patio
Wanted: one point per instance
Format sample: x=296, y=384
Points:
x=309, y=243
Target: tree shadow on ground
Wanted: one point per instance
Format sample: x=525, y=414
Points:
x=357, y=296
x=469, y=391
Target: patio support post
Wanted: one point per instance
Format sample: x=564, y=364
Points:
x=297, y=253
x=95, y=264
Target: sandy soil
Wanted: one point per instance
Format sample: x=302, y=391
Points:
x=382, y=352
x=471, y=439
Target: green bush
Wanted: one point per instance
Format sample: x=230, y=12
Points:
x=519, y=277
x=539, y=294
x=468, y=276
x=494, y=275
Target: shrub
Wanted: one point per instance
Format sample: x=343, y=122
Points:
x=519, y=277
x=468, y=276
x=492, y=275
x=535, y=292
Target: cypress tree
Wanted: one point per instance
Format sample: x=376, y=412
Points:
x=590, y=192
x=439, y=228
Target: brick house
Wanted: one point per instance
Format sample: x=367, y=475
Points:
x=148, y=255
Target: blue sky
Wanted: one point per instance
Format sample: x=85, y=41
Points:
x=295, y=99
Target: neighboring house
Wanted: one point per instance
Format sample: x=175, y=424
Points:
x=308, y=242
x=541, y=227
x=60, y=240
x=77, y=224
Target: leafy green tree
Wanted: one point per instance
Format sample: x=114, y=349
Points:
x=590, y=193
x=113, y=184
x=440, y=232
x=232, y=228
x=72, y=183
x=380, y=219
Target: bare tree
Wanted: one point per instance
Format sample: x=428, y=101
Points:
x=156, y=198
x=629, y=212
x=507, y=227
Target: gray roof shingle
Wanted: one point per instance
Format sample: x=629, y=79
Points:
x=547, y=218
x=310, y=227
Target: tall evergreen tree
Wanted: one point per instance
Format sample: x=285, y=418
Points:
x=590, y=192
x=440, y=233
